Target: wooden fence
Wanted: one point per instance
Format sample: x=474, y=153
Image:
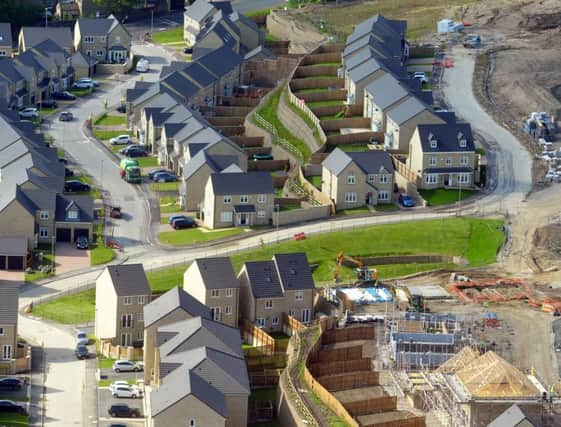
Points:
x=120, y=352
x=331, y=110
x=237, y=101
x=314, y=191
x=248, y=141
x=332, y=368
x=257, y=337
x=266, y=362
x=316, y=70
x=231, y=130
x=351, y=122
x=362, y=332
x=412, y=421
x=301, y=105
x=321, y=58
x=250, y=151
x=336, y=355
x=266, y=378
x=290, y=325
x=345, y=381
x=373, y=405
x=329, y=95
x=226, y=120
x=268, y=165
x=405, y=171
x=298, y=84
x=356, y=138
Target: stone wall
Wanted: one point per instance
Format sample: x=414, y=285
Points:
x=301, y=215
x=303, y=38
x=295, y=124
x=268, y=72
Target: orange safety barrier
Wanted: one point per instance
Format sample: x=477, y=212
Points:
x=300, y=236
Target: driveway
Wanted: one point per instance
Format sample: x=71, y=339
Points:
x=15, y=276
x=68, y=258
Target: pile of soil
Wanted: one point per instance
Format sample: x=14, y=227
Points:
x=542, y=21
x=548, y=238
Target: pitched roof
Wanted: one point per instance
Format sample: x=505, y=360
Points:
x=242, y=183
x=85, y=205
x=221, y=61
x=97, y=26
x=216, y=273
x=379, y=24
x=6, y=34
x=385, y=91
x=423, y=337
x=511, y=417
x=460, y=360
x=263, y=279
x=129, y=279
x=199, y=74
x=406, y=110
x=199, y=10
x=370, y=162
x=62, y=36
x=294, y=271
x=181, y=85
x=447, y=137
x=9, y=302
x=175, y=298
x=12, y=245
x=367, y=68
x=260, y=52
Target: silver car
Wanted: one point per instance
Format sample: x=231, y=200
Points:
x=126, y=366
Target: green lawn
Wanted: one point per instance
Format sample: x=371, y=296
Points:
x=315, y=180
x=441, y=196
x=329, y=103
x=109, y=120
x=263, y=394
x=173, y=35
x=144, y=162
x=13, y=420
x=191, y=236
x=165, y=279
x=349, y=148
x=105, y=363
x=354, y=211
x=269, y=113
x=108, y=134
x=99, y=253
x=168, y=204
x=258, y=12
x=386, y=207
x=69, y=309
x=47, y=260
x=47, y=111
x=164, y=186
x=107, y=383
x=80, y=92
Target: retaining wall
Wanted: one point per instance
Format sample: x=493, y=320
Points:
x=305, y=37
x=268, y=72
x=356, y=122
x=316, y=194
x=319, y=58
x=302, y=215
x=295, y=124
x=337, y=355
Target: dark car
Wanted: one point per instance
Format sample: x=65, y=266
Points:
x=75, y=186
x=82, y=242
x=10, y=406
x=175, y=217
x=135, y=152
x=262, y=157
x=164, y=177
x=187, y=50
x=406, y=201
x=122, y=410
x=68, y=172
x=122, y=108
x=181, y=223
x=64, y=96
x=155, y=171
x=63, y=160
x=47, y=103
x=11, y=384
x=66, y=116
x=82, y=352
x=117, y=425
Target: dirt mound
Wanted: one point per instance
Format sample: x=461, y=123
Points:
x=542, y=21
x=548, y=238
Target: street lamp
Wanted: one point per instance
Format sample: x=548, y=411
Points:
x=46, y=17
x=277, y=208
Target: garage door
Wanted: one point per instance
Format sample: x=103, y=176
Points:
x=2, y=262
x=63, y=235
x=15, y=263
x=81, y=232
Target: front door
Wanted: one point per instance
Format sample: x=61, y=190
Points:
x=126, y=339
x=243, y=219
x=7, y=352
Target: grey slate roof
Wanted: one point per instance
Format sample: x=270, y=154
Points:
x=62, y=36
x=12, y=245
x=406, y=110
x=385, y=91
x=242, y=183
x=199, y=74
x=97, y=26
x=9, y=302
x=199, y=10
x=364, y=70
x=359, y=57
x=216, y=273
x=260, y=52
x=263, y=279
x=511, y=417
x=129, y=279
x=85, y=205
x=378, y=23
x=370, y=162
x=9, y=71
x=294, y=271
x=6, y=34
x=175, y=298
x=447, y=137
x=221, y=61
x=14, y=192
x=180, y=85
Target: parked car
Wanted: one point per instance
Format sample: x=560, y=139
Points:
x=262, y=157
x=406, y=201
x=117, y=425
x=64, y=96
x=143, y=65
x=68, y=172
x=187, y=50
x=164, y=177
x=82, y=242
x=134, y=152
x=182, y=223
x=66, y=116
x=47, y=103
x=122, y=108
x=11, y=384
x=121, y=410
x=175, y=217
x=155, y=171
x=11, y=406
x=82, y=85
x=81, y=338
x=82, y=352
x=116, y=384
x=75, y=186
x=28, y=113
x=126, y=366
x=126, y=391
x=420, y=75
x=94, y=83
x=63, y=160
x=121, y=140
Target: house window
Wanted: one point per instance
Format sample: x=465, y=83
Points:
x=244, y=199
x=260, y=322
x=127, y=320
x=431, y=179
x=140, y=317
x=7, y=352
x=299, y=295
x=432, y=161
x=126, y=339
x=89, y=52
x=306, y=315
x=383, y=179
x=262, y=198
x=261, y=214
x=102, y=39
x=229, y=293
x=226, y=217
x=140, y=336
x=215, y=293
x=227, y=200
x=3, y=53
x=192, y=423
x=371, y=179
x=73, y=214
x=127, y=300
x=448, y=161
x=291, y=312
x=464, y=160
x=141, y=299
x=463, y=178
x=1, y=331
x=98, y=53
x=351, y=179
x=228, y=310
x=433, y=143
x=43, y=232
x=117, y=39
x=269, y=304
x=215, y=313
x=350, y=197
x=383, y=195
x=88, y=39
x=275, y=320
x=44, y=215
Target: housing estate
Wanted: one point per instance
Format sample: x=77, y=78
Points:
x=213, y=282
x=271, y=289
x=105, y=39
x=235, y=199
x=358, y=179
x=8, y=325
x=32, y=36
x=121, y=292
x=6, y=42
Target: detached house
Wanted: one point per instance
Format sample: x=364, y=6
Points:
x=238, y=199
x=121, y=292
x=195, y=19
x=32, y=36
x=106, y=40
x=358, y=179
x=212, y=281
x=443, y=155
x=269, y=289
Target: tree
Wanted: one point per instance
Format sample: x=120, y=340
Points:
x=19, y=13
x=118, y=7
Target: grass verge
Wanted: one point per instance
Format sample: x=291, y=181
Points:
x=69, y=309
x=172, y=35
x=13, y=420
x=108, y=134
x=145, y=162
x=164, y=186
x=110, y=120
x=99, y=252
x=191, y=236
x=168, y=204
x=441, y=196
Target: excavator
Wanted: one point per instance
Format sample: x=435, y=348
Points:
x=364, y=274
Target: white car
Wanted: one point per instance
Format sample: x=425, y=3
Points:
x=28, y=113
x=88, y=81
x=126, y=391
x=143, y=65
x=127, y=366
x=419, y=75
x=82, y=338
x=82, y=85
x=121, y=140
